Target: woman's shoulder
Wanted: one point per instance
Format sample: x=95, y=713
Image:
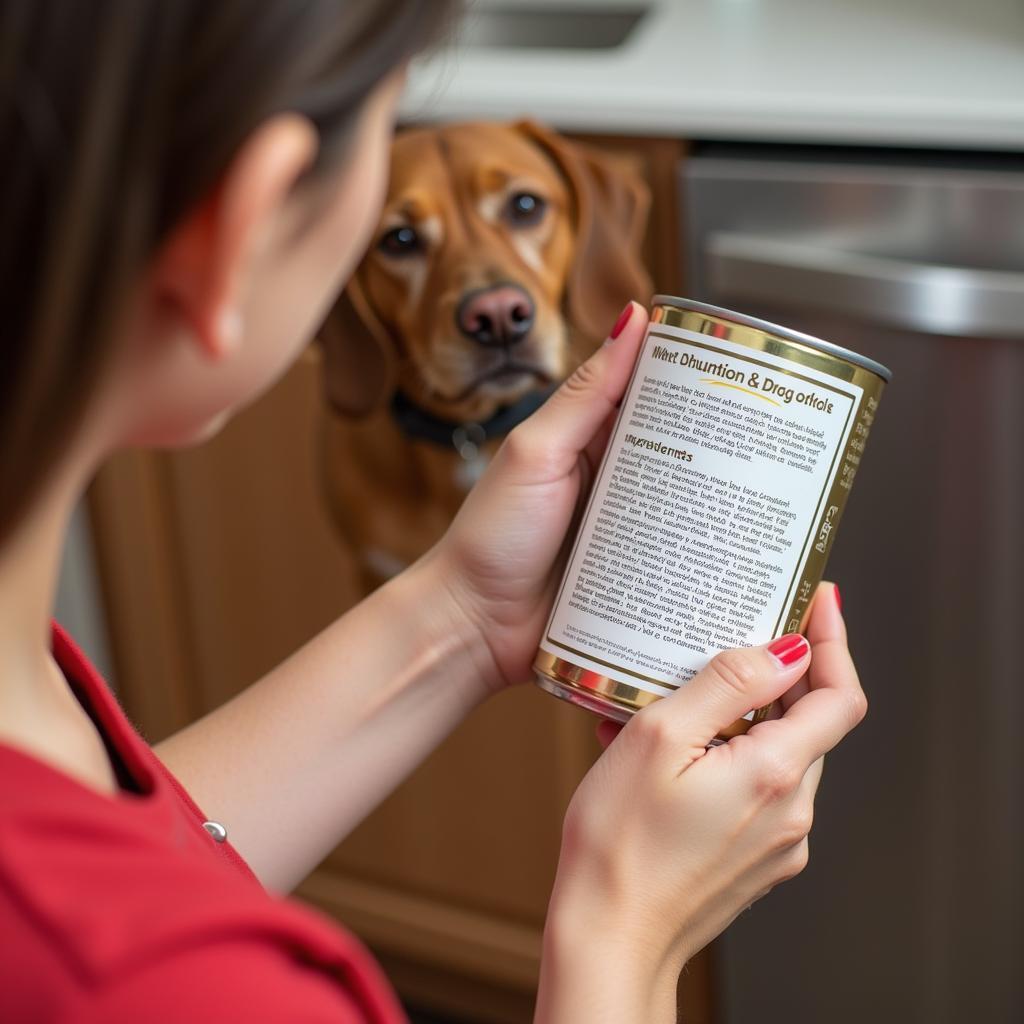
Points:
x=113, y=910
x=226, y=979
x=224, y=974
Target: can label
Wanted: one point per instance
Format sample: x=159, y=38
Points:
x=714, y=492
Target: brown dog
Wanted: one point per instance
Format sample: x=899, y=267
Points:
x=503, y=255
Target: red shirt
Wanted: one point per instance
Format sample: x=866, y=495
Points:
x=122, y=908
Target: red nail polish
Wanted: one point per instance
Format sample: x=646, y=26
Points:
x=622, y=321
x=839, y=597
x=789, y=649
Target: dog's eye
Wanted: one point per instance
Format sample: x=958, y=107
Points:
x=525, y=208
x=401, y=241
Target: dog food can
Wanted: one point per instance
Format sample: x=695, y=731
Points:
x=714, y=509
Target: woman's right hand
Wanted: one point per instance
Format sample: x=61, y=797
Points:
x=666, y=841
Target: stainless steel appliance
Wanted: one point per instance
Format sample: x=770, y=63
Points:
x=912, y=909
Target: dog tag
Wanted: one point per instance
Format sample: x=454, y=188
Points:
x=468, y=440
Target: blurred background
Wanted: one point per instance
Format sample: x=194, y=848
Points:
x=850, y=168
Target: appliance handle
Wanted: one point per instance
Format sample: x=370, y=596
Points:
x=931, y=298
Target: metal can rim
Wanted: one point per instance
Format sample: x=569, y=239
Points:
x=786, y=333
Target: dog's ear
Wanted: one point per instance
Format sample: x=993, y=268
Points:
x=358, y=355
x=611, y=207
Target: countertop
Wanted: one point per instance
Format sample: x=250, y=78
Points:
x=927, y=73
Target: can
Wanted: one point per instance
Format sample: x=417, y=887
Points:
x=714, y=509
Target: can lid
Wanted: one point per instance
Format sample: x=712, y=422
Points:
x=783, y=332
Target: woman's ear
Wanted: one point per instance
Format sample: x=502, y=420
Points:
x=204, y=266
x=611, y=207
x=358, y=355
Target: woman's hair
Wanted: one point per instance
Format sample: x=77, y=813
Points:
x=116, y=118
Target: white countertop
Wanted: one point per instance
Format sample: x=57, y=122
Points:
x=933, y=73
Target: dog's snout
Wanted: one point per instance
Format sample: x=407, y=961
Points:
x=495, y=316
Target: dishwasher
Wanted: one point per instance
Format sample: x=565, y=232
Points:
x=912, y=907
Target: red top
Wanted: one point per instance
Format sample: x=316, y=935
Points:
x=123, y=909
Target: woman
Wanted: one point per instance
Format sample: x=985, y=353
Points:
x=184, y=188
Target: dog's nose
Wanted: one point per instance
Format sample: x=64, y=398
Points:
x=495, y=316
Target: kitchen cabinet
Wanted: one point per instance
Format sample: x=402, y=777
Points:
x=216, y=563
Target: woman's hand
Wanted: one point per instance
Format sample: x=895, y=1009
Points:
x=500, y=557
x=665, y=842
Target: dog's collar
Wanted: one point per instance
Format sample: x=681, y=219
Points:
x=465, y=437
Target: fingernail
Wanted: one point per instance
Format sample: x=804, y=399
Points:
x=789, y=649
x=620, y=324
x=839, y=597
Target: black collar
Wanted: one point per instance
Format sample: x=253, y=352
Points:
x=421, y=425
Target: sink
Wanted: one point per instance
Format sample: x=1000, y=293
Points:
x=550, y=27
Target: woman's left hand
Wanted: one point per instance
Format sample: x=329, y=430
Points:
x=502, y=557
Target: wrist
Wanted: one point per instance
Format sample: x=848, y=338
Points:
x=427, y=594
x=590, y=946
x=463, y=607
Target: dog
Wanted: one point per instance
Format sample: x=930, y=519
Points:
x=502, y=257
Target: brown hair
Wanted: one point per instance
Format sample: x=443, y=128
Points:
x=116, y=117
